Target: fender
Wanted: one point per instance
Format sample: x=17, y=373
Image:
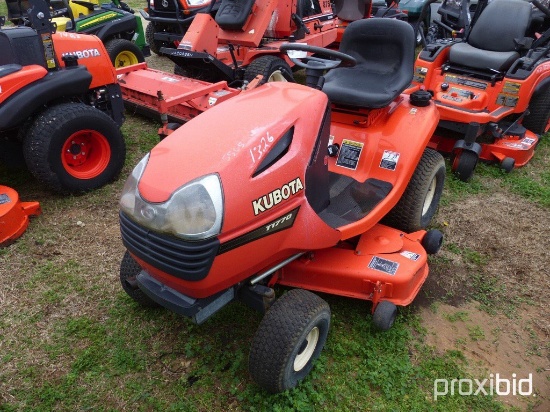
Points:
x=125, y=23
x=23, y=104
x=542, y=87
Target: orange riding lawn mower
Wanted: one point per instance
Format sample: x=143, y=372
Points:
x=327, y=187
x=61, y=108
x=491, y=87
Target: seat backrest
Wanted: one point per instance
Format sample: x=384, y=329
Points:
x=350, y=10
x=233, y=14
x=384, y=51
x=500, y=23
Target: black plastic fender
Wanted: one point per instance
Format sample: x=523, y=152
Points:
x=63, y=83
x=125, y=24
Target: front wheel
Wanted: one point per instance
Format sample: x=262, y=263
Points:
x=74, y=148
x=123, y=53
x=420, y=201
x=289, y=339
x=464, y=164
x=129, y=269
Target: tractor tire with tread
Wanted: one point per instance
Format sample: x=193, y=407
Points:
x=123, y=53
x=538, y=119
x=420, y=201
x=288, y=340
x=129, y=269
x=73, y=147
x=272, y=68
x=154, y=45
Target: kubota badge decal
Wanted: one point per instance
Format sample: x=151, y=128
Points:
x=83, y=54
x=275, y=197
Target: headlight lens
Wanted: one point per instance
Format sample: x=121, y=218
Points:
x=194, y=211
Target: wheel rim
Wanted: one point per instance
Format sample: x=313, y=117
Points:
x=308, y=347
x=86, y=154
x=125, y=58
x=276, y=76
x=429, y=196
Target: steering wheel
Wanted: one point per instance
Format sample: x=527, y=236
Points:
x=541, y=7
x=335, y=58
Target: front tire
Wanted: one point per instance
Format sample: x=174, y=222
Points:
x=272, y=69
x=289, y=339
x=129, y=269
x=420, y=201
x=464, y=164
x=123, y=53
x=74, y=148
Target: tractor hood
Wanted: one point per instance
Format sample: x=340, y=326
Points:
x=254, y=150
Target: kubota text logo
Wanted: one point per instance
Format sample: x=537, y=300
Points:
x=275, y=197
x=84, y=54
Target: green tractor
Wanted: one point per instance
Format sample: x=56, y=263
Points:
x=115, y=23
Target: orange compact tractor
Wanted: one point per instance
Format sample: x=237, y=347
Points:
x=287, y=185
x=492, y=87
x=61, y=101
x=243, y=38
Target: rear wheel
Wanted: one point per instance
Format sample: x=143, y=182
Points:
x=271, y=68
x=73, y=147
x=123, y=53
x=538, y=119
x=418, y=205
x=129, y=269
x=289, y=339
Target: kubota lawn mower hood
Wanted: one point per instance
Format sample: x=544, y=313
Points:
x=243, y=161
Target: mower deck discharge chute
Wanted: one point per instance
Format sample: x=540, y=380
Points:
x=492, y=88
x=14, y=215
x=324, y=188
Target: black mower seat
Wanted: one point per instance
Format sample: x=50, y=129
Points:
x=384, y=50
x=233, y=14
x=494, y=40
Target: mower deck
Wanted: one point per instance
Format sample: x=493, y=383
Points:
x=386, y=264
x=14, y=215
x=156, y=92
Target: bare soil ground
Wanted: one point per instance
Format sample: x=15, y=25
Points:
x=508, y=261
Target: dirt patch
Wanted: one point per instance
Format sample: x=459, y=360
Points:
x=497, y=254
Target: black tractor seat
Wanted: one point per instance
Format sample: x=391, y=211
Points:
x=233, y=14
x=496, y=38
x=384, y=50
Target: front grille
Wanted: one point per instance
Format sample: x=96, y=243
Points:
x=165, y=5
x=184, y=259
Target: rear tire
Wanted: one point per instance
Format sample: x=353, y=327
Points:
x=129, y=269
x=538, y=120
x=420, y=201
x=123, y=53
x=272, y=69
x=74, y=148
x=289, y=339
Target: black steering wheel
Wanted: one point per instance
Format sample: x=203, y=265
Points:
x=541, y=7
x=335, y=58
